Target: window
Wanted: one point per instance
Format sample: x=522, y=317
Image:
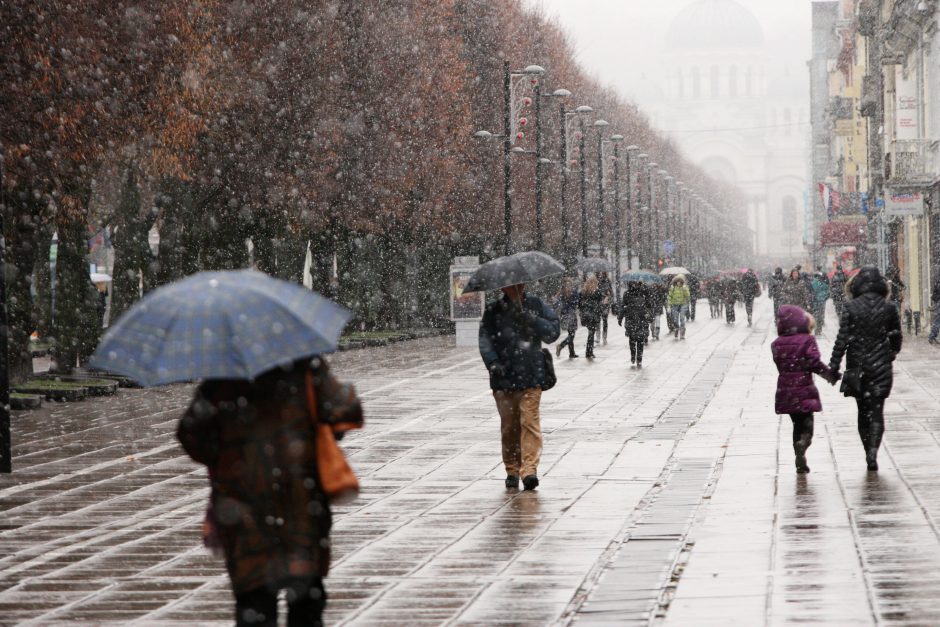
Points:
x=680, y=84
x=748, y=80
x=696, y=83
x=733, y=81
x=715, y=81
x=788, y=214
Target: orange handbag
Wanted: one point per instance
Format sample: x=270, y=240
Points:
x=337, y=478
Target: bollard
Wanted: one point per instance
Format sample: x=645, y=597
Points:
x=908, y=320
x=917, y=315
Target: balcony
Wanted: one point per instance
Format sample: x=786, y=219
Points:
x=913, y=163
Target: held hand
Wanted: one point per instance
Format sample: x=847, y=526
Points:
x=497, y=370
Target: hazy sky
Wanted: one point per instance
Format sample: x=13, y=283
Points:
x=614, y=38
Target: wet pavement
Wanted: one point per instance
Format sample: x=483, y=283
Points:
x=668, y=496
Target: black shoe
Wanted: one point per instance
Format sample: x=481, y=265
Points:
x=573, y=356
x=871, y=458
x=558, y=350
x=530, y=482
x=512, y=482
x=800, y=449
x=639, y=365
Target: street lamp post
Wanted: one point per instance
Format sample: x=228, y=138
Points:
x=618, y=214
x=539, y=162
x=584, y=250
x=680, y=222
x=643, y=209
x=565, y=118
x=653, y=231
x=632, y=151
x=600, y=125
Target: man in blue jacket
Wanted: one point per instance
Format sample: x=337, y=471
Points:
x=511, y=335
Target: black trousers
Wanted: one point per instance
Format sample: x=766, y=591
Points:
x=636, y=347
x=749, y=307
x=802, y=425
x=589, y=349
x=569, y=342
x=871, y=421
x=604, y=317
x=692, y=310
x=729, y=312
x=306, y=600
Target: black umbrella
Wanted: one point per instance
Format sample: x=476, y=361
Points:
x=512, y=270
x=593, y=264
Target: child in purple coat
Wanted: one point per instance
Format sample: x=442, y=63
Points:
x=797, y=357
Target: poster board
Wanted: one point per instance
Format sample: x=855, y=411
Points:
x=898, y=203
x=464, y=306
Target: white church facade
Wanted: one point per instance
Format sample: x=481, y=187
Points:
x=739, y=115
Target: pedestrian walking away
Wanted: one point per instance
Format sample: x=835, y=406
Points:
x=566, y=305
x=634, y=316
x=607, y=290
x=511, y=334
x=934, y=312
x=870, y=339
x=590, y=308
x=678, y=302
x=837, y=290
x=820, y=296
x=713, y=292
x=729, y=296
x=259, y=442
x=795, y=291
x=797, y=357
x=695, y=289
x=750, y=289
x=776, y=284
x=896, y=288
x=657, y=301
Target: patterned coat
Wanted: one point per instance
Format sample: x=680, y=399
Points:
x=797, y=357
x=258, y=441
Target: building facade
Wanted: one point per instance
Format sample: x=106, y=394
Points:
x=739, y=115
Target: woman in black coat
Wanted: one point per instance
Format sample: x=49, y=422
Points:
x=870, y=338
x=634, y=315
x=590, y=307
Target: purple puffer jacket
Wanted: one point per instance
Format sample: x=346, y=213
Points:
x=797, y=357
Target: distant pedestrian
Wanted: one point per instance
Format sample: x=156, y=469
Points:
x=657, y=302
x=776, y=284
x=837, y=290
x=511, y=335
x=678, y=303
x=605, y=288
x=713, y=292
x=795, y=291
x=934, y=311
x=895, y=288
x=870, y=338
x=820, y=296
x=695, y=290
x=267, y=510
x=750, y=289
x=729, y=297
x=590, y=308
x=634, y=315
x=796, y=355
x=566, y=305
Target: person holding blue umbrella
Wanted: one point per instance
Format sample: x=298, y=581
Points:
x=265, y=400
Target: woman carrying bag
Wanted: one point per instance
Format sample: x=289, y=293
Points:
x=870, y=338
x=272, y=459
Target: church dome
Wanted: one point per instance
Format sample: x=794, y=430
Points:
x=715, y=25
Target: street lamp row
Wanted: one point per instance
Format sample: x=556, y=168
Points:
x=678, y=223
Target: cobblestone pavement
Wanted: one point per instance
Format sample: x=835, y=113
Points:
x=668, y=496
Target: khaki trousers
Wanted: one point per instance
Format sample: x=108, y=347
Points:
x=521, y=429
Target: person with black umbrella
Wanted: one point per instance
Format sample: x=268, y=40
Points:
x=512, y=331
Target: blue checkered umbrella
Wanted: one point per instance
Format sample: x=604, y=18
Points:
x=642, y=276
x=219, y=325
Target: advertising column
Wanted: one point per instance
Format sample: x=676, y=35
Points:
x=466, y=310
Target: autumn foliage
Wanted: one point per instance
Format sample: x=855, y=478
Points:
x=343, y=125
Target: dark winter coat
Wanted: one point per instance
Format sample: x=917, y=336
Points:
x=797, y=357
x=591, y=307
x=567, y=309
x=796, y=292
x=776, y=283
x=750, y=286
x=607, y=293
x=258, y=441
x=656, y=299
x=837, y=287
x=869, y=333
x=729, y=291
x=634, y=311
x=511, y=342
